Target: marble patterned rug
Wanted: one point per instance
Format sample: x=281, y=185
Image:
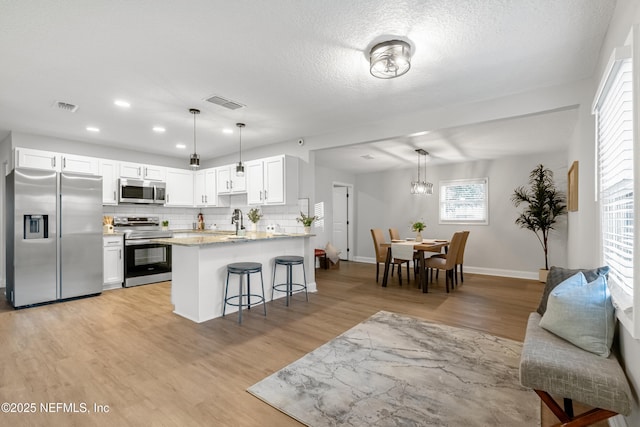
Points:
x=395, y=370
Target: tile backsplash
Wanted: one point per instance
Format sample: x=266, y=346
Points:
x=283, y=217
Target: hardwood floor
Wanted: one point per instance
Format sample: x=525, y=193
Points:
x=126, y=350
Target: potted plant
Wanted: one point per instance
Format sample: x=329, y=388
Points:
x=165, y=225
x=306, y=221
x=544, y=204
x=418, y=226
x=254, y=216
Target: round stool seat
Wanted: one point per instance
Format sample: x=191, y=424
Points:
x=244, y=267
x=289, y=260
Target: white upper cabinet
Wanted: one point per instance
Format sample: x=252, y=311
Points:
x=179, y=187
x=228, y=182
x=109, y=171
x=272, y=181
x=140, y=171
x=80, y=164
x=48, y=160
x=37, y=159
x=206, y=190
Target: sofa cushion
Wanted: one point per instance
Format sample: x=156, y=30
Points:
x=558, y=275
x=582, y=313
x=558, y=367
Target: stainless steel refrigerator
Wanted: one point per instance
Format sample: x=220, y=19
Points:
x=54, y=236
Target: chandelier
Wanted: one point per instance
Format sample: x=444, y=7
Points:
x=418, y=186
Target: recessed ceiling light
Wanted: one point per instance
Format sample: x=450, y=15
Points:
x=181, y=146
x=159, y=129
x=227, y=130
x=93, y=129
x=122, y=103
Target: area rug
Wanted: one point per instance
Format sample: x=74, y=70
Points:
x=394, y=370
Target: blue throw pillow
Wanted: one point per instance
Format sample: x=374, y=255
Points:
x=582, y=313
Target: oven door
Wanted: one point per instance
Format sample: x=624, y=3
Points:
x=146, y=262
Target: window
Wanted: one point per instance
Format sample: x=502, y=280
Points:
x=464, y=201
x=614, y=111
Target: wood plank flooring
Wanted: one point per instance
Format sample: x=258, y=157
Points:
x=127, y=351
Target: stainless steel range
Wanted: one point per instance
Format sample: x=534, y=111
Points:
x=145, y=261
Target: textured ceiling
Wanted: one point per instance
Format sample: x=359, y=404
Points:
x=300, y=67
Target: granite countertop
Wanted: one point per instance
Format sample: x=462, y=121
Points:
x=210, y=237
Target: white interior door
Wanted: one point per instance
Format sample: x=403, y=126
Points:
x=342, y=221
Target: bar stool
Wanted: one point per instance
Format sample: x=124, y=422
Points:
x=289, y=261
x=243, y=268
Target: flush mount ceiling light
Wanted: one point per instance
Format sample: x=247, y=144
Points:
x=194, y=161
x=390, y=59
x=240, y=166
x=422, y=187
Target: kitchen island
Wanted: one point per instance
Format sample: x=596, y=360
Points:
x=199, y=268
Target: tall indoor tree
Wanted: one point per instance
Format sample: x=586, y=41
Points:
x=544, y=204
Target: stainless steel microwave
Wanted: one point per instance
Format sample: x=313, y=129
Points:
x=142, y=191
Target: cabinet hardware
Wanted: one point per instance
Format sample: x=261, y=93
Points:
x=120, y=253
x=64, y=163
x=139, y=170
x=53, y=162
x=114, y=196
x=265, y=195
x=261, y=195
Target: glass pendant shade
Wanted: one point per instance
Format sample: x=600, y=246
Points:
x=390, y=59
x=239, y=169
x=194, y=161
x=421, y=186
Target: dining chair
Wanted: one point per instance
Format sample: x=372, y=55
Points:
x=459, y=258
x=448, y=261
x=381, y=254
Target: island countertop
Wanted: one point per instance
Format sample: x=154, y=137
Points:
x=197, y=239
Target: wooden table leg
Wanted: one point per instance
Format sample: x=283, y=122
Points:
x=387, y=261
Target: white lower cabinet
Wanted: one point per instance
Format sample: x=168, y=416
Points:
x=113, y=262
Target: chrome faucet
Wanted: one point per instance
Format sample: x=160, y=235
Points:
x=237, y=219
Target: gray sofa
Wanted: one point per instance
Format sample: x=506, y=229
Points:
x=552, y=366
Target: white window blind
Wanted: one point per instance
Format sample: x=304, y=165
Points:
x=614, y=135
x=464, y=201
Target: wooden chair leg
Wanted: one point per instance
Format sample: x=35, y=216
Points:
x=461, y=275
x=400, y=274
x=377, y=271
x=585, y=419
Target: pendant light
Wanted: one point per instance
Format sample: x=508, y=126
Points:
x=240, y=166
x=422, y=187
x=194, y=161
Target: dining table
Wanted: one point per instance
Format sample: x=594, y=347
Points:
x=426, y=245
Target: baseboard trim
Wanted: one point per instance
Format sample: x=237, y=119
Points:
x=516, y=274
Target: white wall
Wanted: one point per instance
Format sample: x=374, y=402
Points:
x=383, y=200
x=583, y=225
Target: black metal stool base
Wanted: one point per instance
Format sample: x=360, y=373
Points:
x=242, y=269
x=289, y=287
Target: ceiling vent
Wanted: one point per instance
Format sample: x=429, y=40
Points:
x=224, y=102
x=72, y=108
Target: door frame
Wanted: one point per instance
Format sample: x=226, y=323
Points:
x=350, y=216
